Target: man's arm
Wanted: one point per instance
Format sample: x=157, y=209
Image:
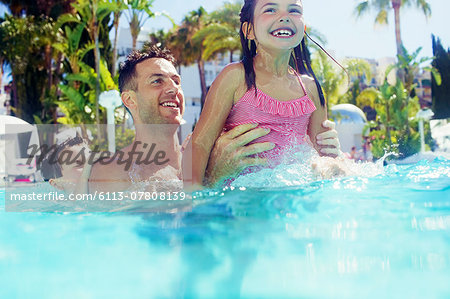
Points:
x=230, y=154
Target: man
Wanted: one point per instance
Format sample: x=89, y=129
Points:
x=151, y=91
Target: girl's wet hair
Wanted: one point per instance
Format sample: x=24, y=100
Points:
x=300, y=54
x=50, y=167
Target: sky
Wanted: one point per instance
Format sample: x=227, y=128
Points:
x=346, y=35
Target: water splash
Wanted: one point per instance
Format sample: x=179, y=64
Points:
x=305, y=166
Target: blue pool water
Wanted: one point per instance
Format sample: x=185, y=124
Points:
x=386, y=236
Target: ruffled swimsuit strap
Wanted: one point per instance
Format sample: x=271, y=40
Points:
x=299, y=77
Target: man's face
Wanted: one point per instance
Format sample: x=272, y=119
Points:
x=160, y=99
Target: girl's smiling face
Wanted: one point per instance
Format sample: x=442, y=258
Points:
x=278, y=24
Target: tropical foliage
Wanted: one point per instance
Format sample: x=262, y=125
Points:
x=392, y=130
x=137, y=13
x=441, y=92
x=222, y=33
x=330, y=76
x=61, y=58
x=360, y=72
x=189, y=50
x=24, y=48
x=89, y=14
x=61, y=41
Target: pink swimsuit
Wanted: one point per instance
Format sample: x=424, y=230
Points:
x=288, y=121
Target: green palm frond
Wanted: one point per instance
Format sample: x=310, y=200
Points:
x=83, y=51
x=426, y=8
x=358, y=68
x=362, y=8
x=382, y=17
x=214, y=29
x=67, y=18
x=106, y=78
x=74, y=96
x=220, y=47
x=82, y=77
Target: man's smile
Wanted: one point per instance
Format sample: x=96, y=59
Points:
x=172, y=104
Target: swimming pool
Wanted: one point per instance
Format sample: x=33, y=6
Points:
x=386, y=236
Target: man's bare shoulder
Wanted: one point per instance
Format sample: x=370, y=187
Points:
x=109, y=167
x=109, y=176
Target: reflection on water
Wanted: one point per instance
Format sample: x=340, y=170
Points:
x=383, y=235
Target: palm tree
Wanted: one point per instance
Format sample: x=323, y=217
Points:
x=410, y=64
x=2, y=59
x=1, y=70
x=48, y=8
x=359, y=71
x=41, y=9
x=91, y=13
x=160, y=38
x=72, y=50
x=382, y=99
x=137, y=14
x=45, y=11
x=77, y=101
x=119, y=6
x=384, y=6
x=222, y=33
x=394, y=107
x=22, y=48
x=189, y=51
x=330, y=77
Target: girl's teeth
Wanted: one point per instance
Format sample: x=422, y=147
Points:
x=283, y=33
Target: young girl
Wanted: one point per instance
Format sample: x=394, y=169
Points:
x=70, y=173
x=263, y=88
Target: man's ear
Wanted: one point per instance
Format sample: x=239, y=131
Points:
x=249, y=33
x=129, y=99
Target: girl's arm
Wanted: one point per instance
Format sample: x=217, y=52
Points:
x=318, y=116
x=82, y=186
x=217, y=106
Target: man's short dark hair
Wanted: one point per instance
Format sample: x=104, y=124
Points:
x=127, y=70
